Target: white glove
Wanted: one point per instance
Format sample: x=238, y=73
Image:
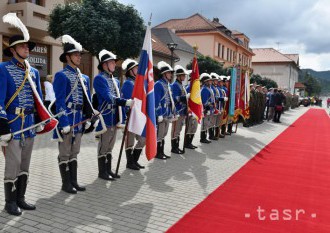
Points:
x=208, y=112
x=129, y=103
x=96, y=123
x=40, y=128
x=188, y=95
x=66, y=129
x=4, y=139
x=225, y=99
x=88, y=124
x=160, y=119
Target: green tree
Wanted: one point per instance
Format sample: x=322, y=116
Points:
x=208, y=65
x=263, y=81
x=313, y=86
x=100, y=24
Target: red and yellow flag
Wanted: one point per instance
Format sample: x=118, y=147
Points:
x=195, y=100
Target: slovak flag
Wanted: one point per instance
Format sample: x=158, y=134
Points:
x=142, y=119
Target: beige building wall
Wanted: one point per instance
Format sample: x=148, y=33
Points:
x=285, y=75
x=204, y=42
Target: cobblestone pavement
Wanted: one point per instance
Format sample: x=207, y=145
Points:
x=150, y=200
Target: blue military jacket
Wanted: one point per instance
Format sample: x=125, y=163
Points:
x=208, y=99
x=12, y=74
x=163, y=103
x=180, y=98
x=69, y=93
x=127, y=91
x=108, y=99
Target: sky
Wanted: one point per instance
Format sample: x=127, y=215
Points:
x=290, y=26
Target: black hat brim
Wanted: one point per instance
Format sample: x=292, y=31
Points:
x=8, y=53
x=63, y=56
x=101, y=63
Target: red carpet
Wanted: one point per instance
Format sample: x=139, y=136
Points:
x=289, y=180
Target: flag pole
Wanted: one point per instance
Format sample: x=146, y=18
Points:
x=187, y=115
x=123, y=141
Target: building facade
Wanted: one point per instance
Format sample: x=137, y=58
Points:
x=282, y=68
x=213, y=39
x=35, y=15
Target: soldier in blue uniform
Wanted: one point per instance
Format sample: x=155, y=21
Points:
x=222, y=101
x=72, y=92
x=208, y=101
x=216, y=113
x=132, y=152
x=226, y=107
x=20, y=91
x=164, y=105
x=179, y=95
x=192, y=124
x=110, y=105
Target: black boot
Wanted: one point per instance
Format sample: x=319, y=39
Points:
x=163, y=146
x=136, y=156
x=203, y=137
x=191, y=139
x=73, y=165
x=159, y=154
x=175, y=146
x=66, y=181
x=211, y=134
x=178, y=144
x=103, y=173
x=188, y=142
x=21, y=189
x=229, y=129
x=130, y=160
x=11, y=206
x=223, y=130
x=108, y=166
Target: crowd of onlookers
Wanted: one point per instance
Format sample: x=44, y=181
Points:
x=269, y=104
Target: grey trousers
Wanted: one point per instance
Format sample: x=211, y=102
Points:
x=69, y=149
x=206, y=122
x=271, y=113
x=17, y=158
x=218, y=119
x=162, y=129
x=213, y=120
x=177, y=127
x=107, y=141
x=192, y=125
x=130, y=141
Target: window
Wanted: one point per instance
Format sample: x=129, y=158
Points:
x=12, y=1
x=219, y=50
x=227, y=54
x=223, y=52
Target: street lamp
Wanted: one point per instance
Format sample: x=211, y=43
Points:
x=172, y=46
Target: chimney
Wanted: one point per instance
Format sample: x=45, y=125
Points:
x=216, y=20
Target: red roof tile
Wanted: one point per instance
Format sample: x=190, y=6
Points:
x=269, y=55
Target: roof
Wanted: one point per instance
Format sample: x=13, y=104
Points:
x=168, y=36
x=299, y=85
x=159, y=47
x=194, y=22
x=293, y=57
x=198, y=23
x=269, y=55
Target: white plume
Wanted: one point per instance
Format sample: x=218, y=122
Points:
x=12, y=19
x=162, y=64
x=176, y=67
x=126, y=62
x=103, y=52
x=69, y=39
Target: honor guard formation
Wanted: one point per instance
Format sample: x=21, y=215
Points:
x=72, y=112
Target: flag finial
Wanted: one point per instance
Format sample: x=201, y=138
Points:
x=149, y=23
x=195, y=47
